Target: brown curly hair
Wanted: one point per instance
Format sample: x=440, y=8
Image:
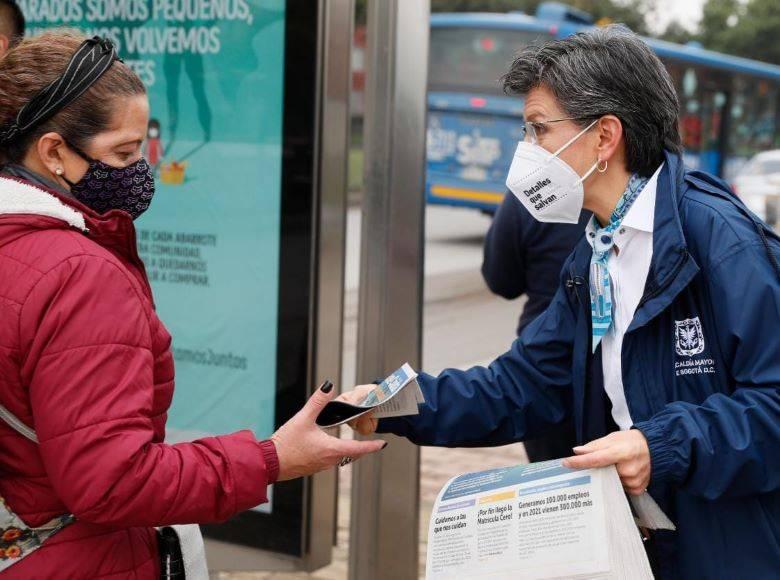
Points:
x=35, y=63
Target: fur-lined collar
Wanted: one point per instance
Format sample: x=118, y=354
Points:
x=17, y=197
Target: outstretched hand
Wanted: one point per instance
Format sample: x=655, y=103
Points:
x=304, y=449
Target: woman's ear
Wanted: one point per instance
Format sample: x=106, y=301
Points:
x=53, y=153
x=610, y=132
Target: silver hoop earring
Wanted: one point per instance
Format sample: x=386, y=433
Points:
x=598, y=166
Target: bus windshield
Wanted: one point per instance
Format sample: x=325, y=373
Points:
x=473, y=60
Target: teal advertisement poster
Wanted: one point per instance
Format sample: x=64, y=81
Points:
x=210, y=241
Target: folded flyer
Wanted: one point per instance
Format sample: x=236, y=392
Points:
x=398, y=395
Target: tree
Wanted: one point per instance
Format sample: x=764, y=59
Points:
x=676, y=32
x=716, y=25
x=756, y=31
x=750, y=30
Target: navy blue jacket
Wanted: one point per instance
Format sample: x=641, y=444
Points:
x=525, y=256
x=701, y=373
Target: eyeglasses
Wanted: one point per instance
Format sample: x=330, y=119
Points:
x=534, y=129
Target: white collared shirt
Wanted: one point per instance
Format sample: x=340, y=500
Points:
x=628, y=268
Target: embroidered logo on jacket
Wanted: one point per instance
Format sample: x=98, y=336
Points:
x=689, y=338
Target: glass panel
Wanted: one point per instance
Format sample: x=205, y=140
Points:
x=473, y=60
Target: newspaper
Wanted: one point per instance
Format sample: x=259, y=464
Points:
x=396, y=396
x=535, y=521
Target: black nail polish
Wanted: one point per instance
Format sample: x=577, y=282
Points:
x=383, y=446
x=326, y=387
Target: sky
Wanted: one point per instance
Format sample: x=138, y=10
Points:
x=687, y=12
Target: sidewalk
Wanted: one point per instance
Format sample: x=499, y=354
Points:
x=453, y=254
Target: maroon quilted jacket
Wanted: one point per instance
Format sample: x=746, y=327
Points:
x=85, y=361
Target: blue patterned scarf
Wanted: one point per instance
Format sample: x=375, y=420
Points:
x=603, y=240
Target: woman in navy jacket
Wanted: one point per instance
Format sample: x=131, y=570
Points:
x=700, y=358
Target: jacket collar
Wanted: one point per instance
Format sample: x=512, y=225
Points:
x=114, y=230
x=641, y=215
x=18, y=197
x=672, y=267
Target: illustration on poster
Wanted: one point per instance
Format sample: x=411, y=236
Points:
x=153, y=147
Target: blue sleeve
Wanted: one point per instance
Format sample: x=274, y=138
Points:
x=728, y=446
x=503, y=266
x=522, y=394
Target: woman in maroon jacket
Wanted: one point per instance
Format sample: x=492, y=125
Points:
x=84, y=360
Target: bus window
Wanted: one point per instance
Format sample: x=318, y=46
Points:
x=686, y=82
x=712, y=145
x=753, y=121
x=691, y=113
x=473, y=60
x=704, y=98
x=713, y=95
